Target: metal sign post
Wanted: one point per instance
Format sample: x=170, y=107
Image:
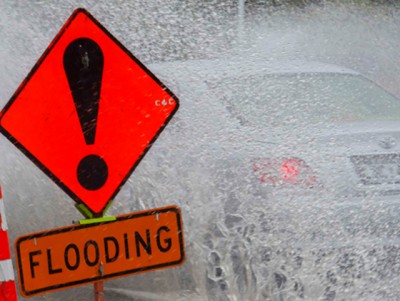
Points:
x=97, y=286
x=99, y=291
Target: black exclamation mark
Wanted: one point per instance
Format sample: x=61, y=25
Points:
x=83, y=65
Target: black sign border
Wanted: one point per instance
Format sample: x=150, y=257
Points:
x=19, y=240
x=36, y=161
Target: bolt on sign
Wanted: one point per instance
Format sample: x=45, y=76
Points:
x=87, y=112
x=80, y=254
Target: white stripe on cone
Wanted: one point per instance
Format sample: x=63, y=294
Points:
x=6, y=270
x=3, y=221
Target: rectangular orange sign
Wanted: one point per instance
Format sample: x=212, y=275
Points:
x=81, y=254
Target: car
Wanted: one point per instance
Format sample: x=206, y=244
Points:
x=302, y=202
x=287, y=174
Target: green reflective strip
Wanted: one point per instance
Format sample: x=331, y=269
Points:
x=97, y=220
x=107, y=207
x=87, y=213
x=84, y=210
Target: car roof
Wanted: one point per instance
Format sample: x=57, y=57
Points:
x=239, y=66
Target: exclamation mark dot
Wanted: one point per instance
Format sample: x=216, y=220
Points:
x=83, y=65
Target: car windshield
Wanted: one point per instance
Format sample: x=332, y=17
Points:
x=287, y=99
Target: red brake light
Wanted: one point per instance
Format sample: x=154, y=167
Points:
x=284, y=171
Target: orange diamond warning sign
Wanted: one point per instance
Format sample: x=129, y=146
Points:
x=87, y=112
